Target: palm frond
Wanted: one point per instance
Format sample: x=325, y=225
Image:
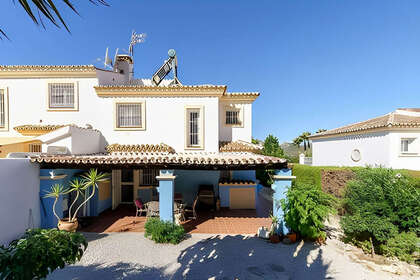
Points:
x=49, y=10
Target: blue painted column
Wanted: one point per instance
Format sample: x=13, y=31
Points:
x=166, y=188
x=282, y=182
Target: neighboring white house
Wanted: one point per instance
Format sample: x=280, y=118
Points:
x=392, y=140
x=38, y=99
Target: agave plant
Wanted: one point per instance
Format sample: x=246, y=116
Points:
x=55, y=192
x=90, y=180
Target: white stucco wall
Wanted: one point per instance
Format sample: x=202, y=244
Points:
x=234, y=133
x=336, y=151
x=19, y=198
x=399, y=160
x=165, y=116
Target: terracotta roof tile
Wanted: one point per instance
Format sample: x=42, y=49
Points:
x=143, y=148
x=397, y=119
x=238, y=146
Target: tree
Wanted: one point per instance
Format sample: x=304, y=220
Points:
x=272, y=147
x=305, y=139
x=48, y=9
x=320, y=130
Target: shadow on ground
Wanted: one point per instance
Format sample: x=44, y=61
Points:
x=217, y=257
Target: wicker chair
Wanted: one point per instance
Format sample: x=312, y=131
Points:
x=152, y=209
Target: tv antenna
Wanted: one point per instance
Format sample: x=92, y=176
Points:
x=136, y=39
x=170, y=64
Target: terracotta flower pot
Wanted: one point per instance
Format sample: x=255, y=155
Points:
x=68, y=226
x=274, y=238
x=292, y=237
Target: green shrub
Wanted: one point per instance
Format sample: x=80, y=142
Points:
x=39, y=252
x=402, y=246
x=306, y=208
x=380, y=203
x=163, y=232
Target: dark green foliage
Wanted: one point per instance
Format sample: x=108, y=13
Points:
x=306, y=208
x=402, y=246
x=163, y=232
x=381, y=203
x=271, y=148
x=39, y=252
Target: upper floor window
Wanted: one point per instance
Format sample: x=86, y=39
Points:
x=3, y=109
x=407, y=145
x=232, y=117
x=62, y=96
x=194, y=127
x=129, y=116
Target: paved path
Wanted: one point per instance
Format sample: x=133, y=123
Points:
x=131, y=256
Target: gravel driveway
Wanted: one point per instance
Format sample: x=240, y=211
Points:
x=131, y=256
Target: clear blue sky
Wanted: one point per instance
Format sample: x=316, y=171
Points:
x=317, y=64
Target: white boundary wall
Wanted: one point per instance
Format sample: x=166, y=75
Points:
x=19, y=198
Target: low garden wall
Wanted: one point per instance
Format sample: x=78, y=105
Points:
x=19, y=198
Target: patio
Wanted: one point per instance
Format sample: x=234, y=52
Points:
x=225, y=221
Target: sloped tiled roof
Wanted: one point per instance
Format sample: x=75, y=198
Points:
x=36, y=129
x=238, y=146
x=43, y=68
x=177, y=160
x=142, y=148
x=401, y=118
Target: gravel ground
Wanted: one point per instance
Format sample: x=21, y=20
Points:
x=131, y=256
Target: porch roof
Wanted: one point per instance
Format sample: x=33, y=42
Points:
x=197, y=160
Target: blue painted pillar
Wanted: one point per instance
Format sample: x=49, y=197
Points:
x=166, y=188
x=282, y=182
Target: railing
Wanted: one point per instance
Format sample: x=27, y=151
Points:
x=305, y=160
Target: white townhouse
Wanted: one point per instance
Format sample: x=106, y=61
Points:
x=38, y=99
x=391, y=140
x=158, y=138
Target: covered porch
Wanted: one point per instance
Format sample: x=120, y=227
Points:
x=225, y=183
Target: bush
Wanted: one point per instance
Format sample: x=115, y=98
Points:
x=306, y=208
x=39, y=252
x=163, y=232
x=381, y=203
x=402, y=246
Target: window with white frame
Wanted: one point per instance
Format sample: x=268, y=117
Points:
x=62, y=96
x=407, y=146
x=194, y=129
x=4, y=126
x=129, y=115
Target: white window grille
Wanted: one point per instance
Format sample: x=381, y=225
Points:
x=61, y=95
x=129, y=115
x=2, y=109
x=35, y=148
x=148, y=177
x=194, y=128
x=232, y=117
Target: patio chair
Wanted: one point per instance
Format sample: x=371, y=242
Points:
x=140, y=207
x=152, y=209
x=192, y=209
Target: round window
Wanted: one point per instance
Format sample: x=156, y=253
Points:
x=355, y=155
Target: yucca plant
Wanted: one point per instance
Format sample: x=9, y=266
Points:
x=77, y=186
x=55, y=192
x=90, y=180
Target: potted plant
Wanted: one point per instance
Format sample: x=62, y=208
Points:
x=274, y=237
x=88, y=183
